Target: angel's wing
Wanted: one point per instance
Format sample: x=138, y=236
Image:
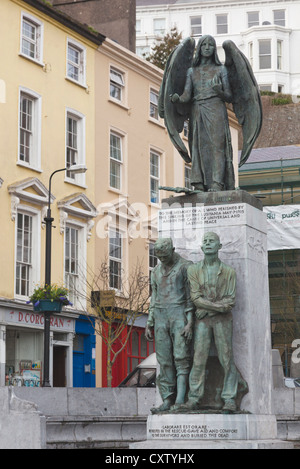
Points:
x=246, y=96
x=179, y=61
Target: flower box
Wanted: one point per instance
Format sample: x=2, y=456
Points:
x=48, y=306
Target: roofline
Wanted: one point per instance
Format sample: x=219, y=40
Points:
x=54, y=13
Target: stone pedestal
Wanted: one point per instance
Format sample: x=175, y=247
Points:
x=238, y=219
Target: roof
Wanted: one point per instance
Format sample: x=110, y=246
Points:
x=84, y=30
x=273, y=157
x=153, y=3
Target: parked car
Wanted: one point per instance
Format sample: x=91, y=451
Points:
x=292, y=382
x=143, y=376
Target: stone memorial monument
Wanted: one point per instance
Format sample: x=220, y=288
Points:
x=223, y=321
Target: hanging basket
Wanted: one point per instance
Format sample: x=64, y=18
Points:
x=48, y=306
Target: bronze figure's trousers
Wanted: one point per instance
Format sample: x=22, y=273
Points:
x=172, y=351
x=219, y=326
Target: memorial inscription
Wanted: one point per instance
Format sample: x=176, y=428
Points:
x=192, y=431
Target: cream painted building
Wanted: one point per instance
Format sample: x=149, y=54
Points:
x=47, y=109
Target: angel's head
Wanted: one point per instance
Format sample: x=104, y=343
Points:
x=206, y=43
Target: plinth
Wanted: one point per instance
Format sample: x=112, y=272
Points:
x=238, y=219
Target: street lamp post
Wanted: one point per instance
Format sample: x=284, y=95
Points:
x=75, y=169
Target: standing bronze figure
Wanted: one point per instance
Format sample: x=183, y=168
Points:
x=196, y=87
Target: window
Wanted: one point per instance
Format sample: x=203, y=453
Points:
x=71, y=262
x=115, y=259
x=24, y=254
x=251, y=53
x=154, y=104
x=187, y=177
x=152, y=260
x=75, y=144
x=196, y=26
x=116, y=84
x=31, y=38
x=76, y=62
x=159, y=26
x=265, y=87
x=186, y=129
x=253, y=18
x=154, y=177
x=279, y=17
x=29, y=129
x=138, y=349
x=222, y=25
x=138, y=27
x=115, y=177
x=264, y=53
x=279, y=55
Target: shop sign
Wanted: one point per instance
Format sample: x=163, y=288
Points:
x=30, y=318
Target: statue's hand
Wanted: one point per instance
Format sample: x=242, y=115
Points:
x=149, y=333
x=175, y=98
x=187, y=332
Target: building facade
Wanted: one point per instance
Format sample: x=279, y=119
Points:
x=47, y=112
x=266, y=32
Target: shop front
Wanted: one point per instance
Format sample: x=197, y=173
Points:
x=22, y=345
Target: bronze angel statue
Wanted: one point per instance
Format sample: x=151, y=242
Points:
x=195, y=88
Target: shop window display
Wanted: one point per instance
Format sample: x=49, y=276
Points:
x=24, y=351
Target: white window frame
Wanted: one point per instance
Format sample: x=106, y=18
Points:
x=34, y=133
x=159, y=31
x=250, y=48
x=79, y=66
x=120, y=163
x=187, y=176
x=118, y=260
x=37, y=42
x=251, y=23
x=225, y=15
x=153, y=105
x=117, y=82
x=77, y=297
x=279, y=48
x=34, y=267
x=261, y=56
x=154, y=178
x=196, y=26
x=279, y=22
x=77, y=146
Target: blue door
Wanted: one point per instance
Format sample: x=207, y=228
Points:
x=83, y=354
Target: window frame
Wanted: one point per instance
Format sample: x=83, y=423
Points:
x=222, y=24
x=153, y=105
x=279, y=22
x=279, y=58
x=252, y=23
x=35, y=131
x=119, y=86
x=79, y=299
x=159, y=31
x=153, y=177
x=80, y=66
x=198, y=25
x=116, y=260
x=261, y=56
x=38, y=42
x=79, y=118
x=119, y=163
x=34, y=267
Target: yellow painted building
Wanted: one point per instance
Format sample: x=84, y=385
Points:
x=47, y=114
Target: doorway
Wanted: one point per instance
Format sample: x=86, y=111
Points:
x=59, y=366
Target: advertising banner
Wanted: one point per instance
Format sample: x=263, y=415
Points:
x=283, y=227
